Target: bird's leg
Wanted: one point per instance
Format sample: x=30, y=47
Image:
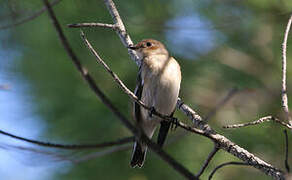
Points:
x=174, y=123
x=151, y=111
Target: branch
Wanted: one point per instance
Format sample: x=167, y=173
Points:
x=284, y=67
x=229, y=146
x=101, y=153
x=209, y=158
x=204, y=129
x=225, y=164
x=137, y=132
x=259, y=121
x=71, y=146
x=103, y=25
x=29, y=18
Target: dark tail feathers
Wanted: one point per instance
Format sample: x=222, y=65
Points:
x=138, y=156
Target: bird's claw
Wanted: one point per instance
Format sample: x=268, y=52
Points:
x=174, y=123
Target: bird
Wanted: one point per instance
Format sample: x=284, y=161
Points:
x=158, y=85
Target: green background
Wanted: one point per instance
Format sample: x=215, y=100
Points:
x=220, y=45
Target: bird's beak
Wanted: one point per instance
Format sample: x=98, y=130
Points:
x=132, y=47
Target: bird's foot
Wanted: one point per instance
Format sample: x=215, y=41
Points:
x=151, y=111
x=174, y=123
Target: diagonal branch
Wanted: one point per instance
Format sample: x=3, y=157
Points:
x=284, y=69
x=137, y=132
x=29, y=18
x=209, y=158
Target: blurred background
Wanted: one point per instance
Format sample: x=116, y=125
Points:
x=220, y=45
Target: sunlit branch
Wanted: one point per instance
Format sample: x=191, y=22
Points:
x=259, y=121
x=79, y=25
x=284, y=72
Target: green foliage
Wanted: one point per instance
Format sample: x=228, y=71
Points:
x=246, y=55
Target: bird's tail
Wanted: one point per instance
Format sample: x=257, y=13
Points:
x=138, y=156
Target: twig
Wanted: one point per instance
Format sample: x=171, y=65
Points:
x=121, y=30
x=29, y=18
x=221, y=103
x=259, y=121
x=284, y=69
x=137, y=132
x=286, y=151
x=225, y=164
x=207, y=161
x=71, y=146
x=101, y=153
x=79, y=25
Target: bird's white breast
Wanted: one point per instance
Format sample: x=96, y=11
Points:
x=161, y=85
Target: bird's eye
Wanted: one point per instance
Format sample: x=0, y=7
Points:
x=148, y=44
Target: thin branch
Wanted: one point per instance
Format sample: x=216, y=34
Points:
x=259, y=121
x=226, y=164
x=137, y=132
x=207, y=161
x=71, y=146
x=121, y=30
x=221, y=103
x=286, y=151
x=284, y=69
x=101, y=153
x=29, y=18
x=103, y=25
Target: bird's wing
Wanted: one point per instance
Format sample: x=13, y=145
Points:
x=138, y=93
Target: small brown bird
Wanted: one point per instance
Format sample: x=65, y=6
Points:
x=158, y=85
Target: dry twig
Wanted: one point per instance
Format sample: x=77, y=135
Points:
x=284, y=72
x=259, y=121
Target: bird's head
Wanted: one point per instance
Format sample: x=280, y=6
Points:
x=149, y=47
